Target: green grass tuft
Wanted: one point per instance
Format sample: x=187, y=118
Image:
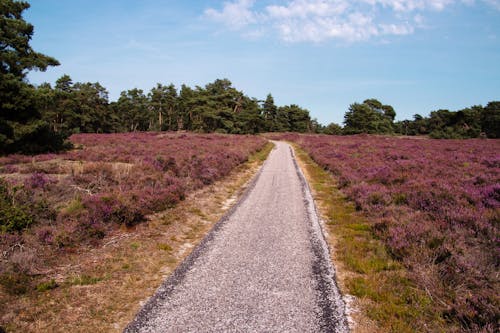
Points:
x=48, y=285
x=164, y=247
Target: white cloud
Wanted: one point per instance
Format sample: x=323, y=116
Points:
x=235, y=15
x=307, y=8
x=412, y=5
x=320, y=20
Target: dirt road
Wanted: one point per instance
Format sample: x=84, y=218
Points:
x=264, y=268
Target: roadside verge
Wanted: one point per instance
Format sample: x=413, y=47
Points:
x=379, y=296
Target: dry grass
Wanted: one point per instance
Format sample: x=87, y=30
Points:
x=100, y=289
x=383, y=298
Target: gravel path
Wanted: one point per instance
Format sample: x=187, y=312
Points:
x=263, y=268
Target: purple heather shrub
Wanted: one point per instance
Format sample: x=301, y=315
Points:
x=115, y=179
x=8, y=168
x=45, y=235
x=37, y=180
x=492, y=162
x=45, y=157
x=101, y=206
x=368, y=196
x=491, y=196
x=382, y=174
x=108, y=208
x=433, y=202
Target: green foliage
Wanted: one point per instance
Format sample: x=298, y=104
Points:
x=490, y=120
x=133, y=106
x=163, y=105
x=333, y=129
x=48, y=285
x=270, y=114
x=370, y=117
x=13, y=216
x=295, y=117
x=22, y=129
x=218, y=107
x=473, y=122
x=16, y=54
x=75, y=207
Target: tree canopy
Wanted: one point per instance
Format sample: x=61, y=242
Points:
x=21, y=124
x=217, y=107
x=473, y=122
x=370, y=117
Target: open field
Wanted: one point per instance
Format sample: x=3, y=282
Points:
x=434, y=207
x=77, y=255
x=413, y=223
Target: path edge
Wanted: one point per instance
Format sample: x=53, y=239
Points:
x=177, y=276
x=330, y=300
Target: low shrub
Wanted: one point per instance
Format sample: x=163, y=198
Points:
x=435, y=204
x=13, y=216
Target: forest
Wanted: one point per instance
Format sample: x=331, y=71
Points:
x=72, y=108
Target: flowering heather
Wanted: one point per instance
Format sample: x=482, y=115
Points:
x=114, y=179
x=36, y=180
x=435, y=204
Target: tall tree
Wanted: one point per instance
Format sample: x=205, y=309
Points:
x=298, y=118
x=223, y=101
x=133, y=108
x=370, y=117
x=91, y=102
x=21, y=126
x=269, y=113
x=247, y=117
x=63, y=116
x=163, y=103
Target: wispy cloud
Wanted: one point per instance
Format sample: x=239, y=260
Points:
x=236, y=15
x=320, y=20
x=494, y=3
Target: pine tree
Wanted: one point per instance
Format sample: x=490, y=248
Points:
x=21, y=126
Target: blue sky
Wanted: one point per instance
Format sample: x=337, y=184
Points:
x=416, y=55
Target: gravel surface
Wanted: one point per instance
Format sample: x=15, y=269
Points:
x=263, y=268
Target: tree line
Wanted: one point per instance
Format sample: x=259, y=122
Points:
x=373, y=117
x=217, y=107
x=474, y=122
